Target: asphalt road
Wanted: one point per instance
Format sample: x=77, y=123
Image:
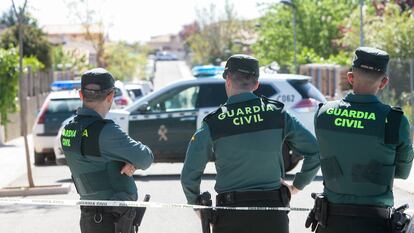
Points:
x=161, y=181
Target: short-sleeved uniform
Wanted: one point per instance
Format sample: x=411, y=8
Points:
x=96, y=150
x=244, y=137
x=364, y=145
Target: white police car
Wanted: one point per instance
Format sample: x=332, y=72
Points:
x=165, y=120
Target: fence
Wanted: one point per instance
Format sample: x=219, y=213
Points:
x=38, y=87
x=329, y=79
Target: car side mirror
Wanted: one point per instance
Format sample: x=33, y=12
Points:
x=143, y=108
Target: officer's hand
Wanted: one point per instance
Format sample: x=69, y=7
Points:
x=293, y=190
x=128, y=169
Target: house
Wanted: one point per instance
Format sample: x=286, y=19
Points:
x=83, y=40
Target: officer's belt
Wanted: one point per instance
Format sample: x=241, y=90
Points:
x=97, y=209
x=359, y=211
x=229, y=198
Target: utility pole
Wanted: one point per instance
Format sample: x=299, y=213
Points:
x=23, y=91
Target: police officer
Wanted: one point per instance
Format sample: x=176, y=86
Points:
x=102, y=158
x=364, y=145
x=244, y=137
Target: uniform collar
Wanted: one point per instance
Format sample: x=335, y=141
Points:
x=358, y=98
x=241, y=98
x=83, y=111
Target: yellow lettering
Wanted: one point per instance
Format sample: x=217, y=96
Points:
x=248, y=119
x=85, y=133
x=230, y=113
x=330, y=111
x=248, y=110
x=221, y=116
x=240, y=111
x=236, y=121
x=344, y=113
x=371, y=116
x=352, y=113
x=256, y=109
x=338, y=122
x=269, y=108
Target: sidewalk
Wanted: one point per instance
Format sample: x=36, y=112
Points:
x=13, y=160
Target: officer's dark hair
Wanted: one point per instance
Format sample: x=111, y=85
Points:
x=243, y=81
x=369, y=74
x=92, y=93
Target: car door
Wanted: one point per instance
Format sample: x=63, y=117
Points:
x=167, y=124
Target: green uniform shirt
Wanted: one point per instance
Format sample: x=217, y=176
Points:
x=116, y=148
x=250, y=161
x=358, y=146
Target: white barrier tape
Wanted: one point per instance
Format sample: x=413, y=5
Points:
x=98, y=203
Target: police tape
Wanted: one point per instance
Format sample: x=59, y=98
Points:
x=108, y=203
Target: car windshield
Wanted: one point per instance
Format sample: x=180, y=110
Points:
x=63, y=105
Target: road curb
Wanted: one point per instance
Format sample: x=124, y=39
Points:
x=37, y=190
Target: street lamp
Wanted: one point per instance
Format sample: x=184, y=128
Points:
x=293, y=6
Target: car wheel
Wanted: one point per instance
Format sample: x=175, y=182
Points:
x=39, y=159
x=290, y=158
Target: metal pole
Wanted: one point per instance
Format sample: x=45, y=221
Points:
x=412, y=93
x=23, y=93
x=294, y=40
x=361, y=23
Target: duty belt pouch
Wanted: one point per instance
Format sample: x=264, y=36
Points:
x=321, y=210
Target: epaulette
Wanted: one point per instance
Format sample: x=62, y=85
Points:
x=397, y=109
x=212, y=113
x=320, y=105
x=272, y=101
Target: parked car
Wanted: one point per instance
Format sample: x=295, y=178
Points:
x=122, y=97
x=57, y=107
x=137, y=90
x=166, y=119
x=207, y=71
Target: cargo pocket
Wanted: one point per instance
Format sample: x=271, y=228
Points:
x=330, y=168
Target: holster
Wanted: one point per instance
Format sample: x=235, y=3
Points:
x=129, y=220
x=124, y=218
x=400, y=221
x=319, y=214
x=205, y=214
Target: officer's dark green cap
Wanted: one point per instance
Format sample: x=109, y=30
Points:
x=369, y=58
x=98, y=76
x=242, y=63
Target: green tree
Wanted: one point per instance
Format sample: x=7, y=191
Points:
x=218, y=34
x=319, y=25
x=391, y=30
x=123, y=60
x=34, y=40
x=9, y=78
x=63, y=59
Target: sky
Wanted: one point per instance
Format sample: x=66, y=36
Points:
x=136, y=20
